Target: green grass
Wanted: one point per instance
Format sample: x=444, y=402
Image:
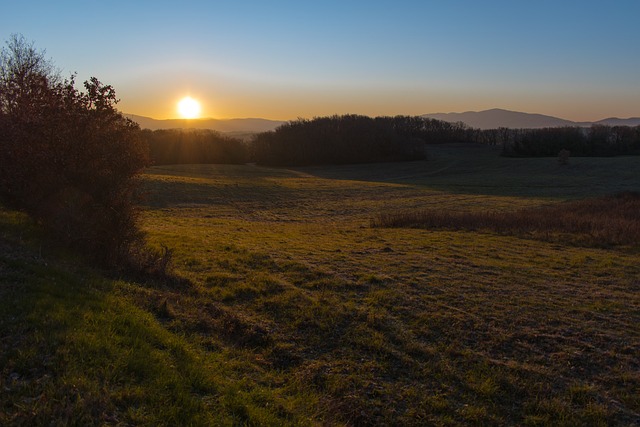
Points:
x=78, y=350
x=299, y=313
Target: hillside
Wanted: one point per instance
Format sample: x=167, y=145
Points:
x=295, y=311
x=614, y=121
x=496, y=118
x=228, y=125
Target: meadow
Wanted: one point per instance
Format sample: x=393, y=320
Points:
x=293, y=310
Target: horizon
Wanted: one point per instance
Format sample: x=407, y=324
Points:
x=425, y=114
x=572, y=60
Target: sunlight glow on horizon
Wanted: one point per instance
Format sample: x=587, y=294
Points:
x=279, y=62
x=189, y=108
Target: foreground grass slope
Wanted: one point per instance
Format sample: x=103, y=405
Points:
x=77, y=350
x=299, y=313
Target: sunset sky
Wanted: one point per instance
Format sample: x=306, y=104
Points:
x=578, y=60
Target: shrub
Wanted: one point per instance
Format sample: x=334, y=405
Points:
x=69, y=158
x=563, y=157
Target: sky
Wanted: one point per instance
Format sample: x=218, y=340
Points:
x=579, y=60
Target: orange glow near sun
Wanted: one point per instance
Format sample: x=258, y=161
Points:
x=189, y=108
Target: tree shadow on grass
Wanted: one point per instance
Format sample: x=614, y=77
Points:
x=75, y=351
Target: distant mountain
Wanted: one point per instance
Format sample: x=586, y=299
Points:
x=227, y=125
x=495, y=118
x=487, y=119
x=614, y=121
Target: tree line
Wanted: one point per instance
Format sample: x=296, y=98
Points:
x=597, y=140
x=352, y=139
x=322, y=140
x=178, y=146
x=362, y=139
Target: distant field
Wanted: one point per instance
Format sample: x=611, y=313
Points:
x=479, y=170
x=300, y=313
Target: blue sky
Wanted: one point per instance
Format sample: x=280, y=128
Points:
x=285, y=59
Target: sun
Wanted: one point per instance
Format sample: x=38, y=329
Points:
x=189, y=108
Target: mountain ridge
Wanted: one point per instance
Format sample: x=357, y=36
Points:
x=497, y=117
x=220, y=125
x=485, y=119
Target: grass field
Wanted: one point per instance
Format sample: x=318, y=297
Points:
x=297, y=312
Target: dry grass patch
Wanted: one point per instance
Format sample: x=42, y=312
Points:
x=602, y=221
